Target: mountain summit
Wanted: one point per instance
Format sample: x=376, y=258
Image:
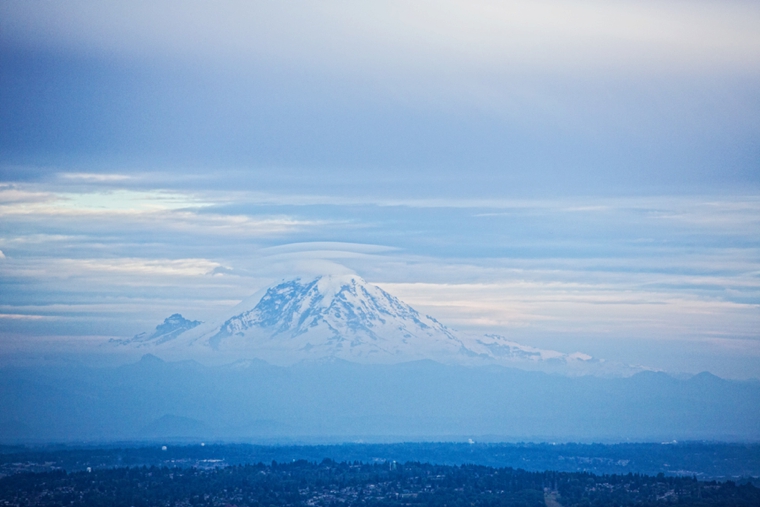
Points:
x=337, y=316
x=330, y=316
x=172, y=327
x=344, y=317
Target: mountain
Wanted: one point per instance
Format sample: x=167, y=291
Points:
x=172, y=327
x=338, y=358
x=343, y=401
x=172, y=426
x=344, y=317
x=334, y=317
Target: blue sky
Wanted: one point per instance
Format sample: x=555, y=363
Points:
x=579, y=175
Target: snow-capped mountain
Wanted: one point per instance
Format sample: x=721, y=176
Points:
x=172, y=327
x=328, y=317
x=344, y=317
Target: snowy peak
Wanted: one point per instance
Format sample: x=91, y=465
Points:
x=339, y=308
x=511, y=353
x=171, y=328
x=499, y=346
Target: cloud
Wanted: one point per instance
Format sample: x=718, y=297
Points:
x=484, y=98
x=95, y=177
x=531, y=62
x=15, y=195
x=551, y=307
x=421, y=37
x=20, y=316
x=150, y=267
x=326, y=246
x=133, y=212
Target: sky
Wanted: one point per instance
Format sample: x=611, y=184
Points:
x=579, y=175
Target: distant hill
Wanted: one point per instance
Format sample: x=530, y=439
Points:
x=172, y=426
x=341, y=400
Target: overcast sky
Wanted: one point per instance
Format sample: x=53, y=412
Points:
x=580, y=175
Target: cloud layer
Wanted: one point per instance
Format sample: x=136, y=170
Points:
x=580, y=175
x=523, y=97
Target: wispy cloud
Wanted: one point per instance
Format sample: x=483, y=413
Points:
x=95, y=177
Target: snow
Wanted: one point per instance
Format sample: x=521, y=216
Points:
x=330, y=285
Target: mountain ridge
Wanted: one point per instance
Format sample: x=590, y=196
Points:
x=347, y=400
